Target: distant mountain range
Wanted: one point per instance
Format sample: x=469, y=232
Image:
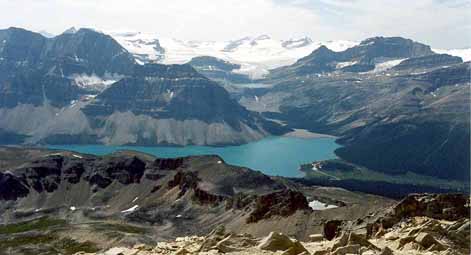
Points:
x=256, y=54
x=83, y=87
x=396, y=105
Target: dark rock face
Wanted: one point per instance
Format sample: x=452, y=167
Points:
x=37, y=70
x=450, y=207
x=168, y=163
x=205, y=198
x=172, y=92
x=35, y=88
x=332, y=229
x=12, y=187
x=282, y=203
x=429, y=61
x=184, y=181
x=43, y=175
x=47, y=174
x=88, y=51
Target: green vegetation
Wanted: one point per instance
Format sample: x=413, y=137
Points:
x=26, y=240
x=125, y=228
x=70, y=246
x=42, y=223
x=340, y=170
x=15, y=238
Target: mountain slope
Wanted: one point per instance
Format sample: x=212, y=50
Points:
x=361, y=58
x=412, y=115
x=129, y=197
x=173, y=104
x=83, y=87
x=37, y=70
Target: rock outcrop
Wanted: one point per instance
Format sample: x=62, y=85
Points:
x=451, y=207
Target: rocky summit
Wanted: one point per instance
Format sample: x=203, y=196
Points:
x=414, y=232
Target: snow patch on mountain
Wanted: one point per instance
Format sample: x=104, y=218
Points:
x=341, y=65
x=94, y=82
x=144, y=47
x=381, y=67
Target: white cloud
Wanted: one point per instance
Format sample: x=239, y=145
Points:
x=443, y=24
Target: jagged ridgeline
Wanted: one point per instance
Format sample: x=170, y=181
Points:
x=83, y=87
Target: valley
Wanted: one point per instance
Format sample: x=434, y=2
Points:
x=396, y=108
x=235, y=127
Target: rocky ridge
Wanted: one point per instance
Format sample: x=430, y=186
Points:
x=421, y=228
x=125, y=198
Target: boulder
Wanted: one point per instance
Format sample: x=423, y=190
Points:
x=321, y=252
x=225, y=245
x=427, y=241
x=297, y=248
x=356, y=239
x=213, y=238
x=451, y=207
x=316, y=237
x=280, y=203
x=331, y=229
x=279, y=242
x=349, y=249
x=340, y=242
x=386, y=251
x=405, y=240
x=121, y=251
x=182, y=251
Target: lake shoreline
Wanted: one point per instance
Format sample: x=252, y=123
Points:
x=275, y=156
x=306, y=134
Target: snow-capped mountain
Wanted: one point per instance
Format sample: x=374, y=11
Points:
x=256, y=55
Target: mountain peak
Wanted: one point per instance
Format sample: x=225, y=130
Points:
x=71, y=30
x=262, y=37
x=322, y=50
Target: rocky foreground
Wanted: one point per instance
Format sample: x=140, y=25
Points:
x=419, y=224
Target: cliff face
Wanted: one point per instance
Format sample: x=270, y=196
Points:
x=172, y=105
x=83, y=87
x=395, y=105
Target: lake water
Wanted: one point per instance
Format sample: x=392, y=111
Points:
x=273, y=156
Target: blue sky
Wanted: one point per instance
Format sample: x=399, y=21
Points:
x=440, y=23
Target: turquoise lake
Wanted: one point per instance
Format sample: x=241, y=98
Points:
x=280, y=156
